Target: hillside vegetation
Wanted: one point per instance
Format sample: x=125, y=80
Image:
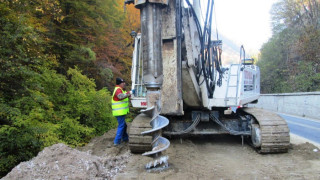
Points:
x=58, y=62
x=290, y=60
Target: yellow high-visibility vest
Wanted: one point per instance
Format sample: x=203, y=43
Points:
x=121, y=107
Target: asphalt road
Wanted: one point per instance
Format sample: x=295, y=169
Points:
x=309, y=129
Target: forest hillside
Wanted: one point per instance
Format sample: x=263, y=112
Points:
x=290, y=60
x=58, y=63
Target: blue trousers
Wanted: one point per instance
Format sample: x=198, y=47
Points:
x=121, y=131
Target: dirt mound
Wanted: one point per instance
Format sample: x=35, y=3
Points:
x=62, y=162
x=307, y=150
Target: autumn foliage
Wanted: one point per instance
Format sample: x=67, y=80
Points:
x=290, y=60
x=58, y=62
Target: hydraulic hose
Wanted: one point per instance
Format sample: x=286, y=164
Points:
x=207, y=60
x=189, y=129
x=232, y=132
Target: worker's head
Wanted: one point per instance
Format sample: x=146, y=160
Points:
x=120, y=82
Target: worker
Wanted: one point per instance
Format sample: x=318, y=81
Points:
x=120, y=108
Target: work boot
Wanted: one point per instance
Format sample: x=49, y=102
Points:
x=117, y=145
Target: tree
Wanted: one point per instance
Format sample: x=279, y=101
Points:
x=295, y=46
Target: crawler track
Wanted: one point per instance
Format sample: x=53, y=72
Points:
x=274, y=130
x=140, y=143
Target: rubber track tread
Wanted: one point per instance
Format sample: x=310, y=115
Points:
x=139, y=143
x=275, y=137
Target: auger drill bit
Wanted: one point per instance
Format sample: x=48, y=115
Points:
x=159, y=143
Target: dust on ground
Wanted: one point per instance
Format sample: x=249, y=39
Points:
x=207, y=157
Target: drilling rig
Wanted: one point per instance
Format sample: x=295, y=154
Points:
x=183, y=88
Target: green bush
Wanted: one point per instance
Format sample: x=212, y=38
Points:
x=18, y=143
x=59, y=109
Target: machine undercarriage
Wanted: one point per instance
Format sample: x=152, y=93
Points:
x=267, y=132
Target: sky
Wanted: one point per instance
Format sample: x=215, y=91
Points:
x=245, y=22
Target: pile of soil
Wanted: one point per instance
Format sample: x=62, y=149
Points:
x=62, y=162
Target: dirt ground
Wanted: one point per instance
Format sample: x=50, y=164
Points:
x=218, y=157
